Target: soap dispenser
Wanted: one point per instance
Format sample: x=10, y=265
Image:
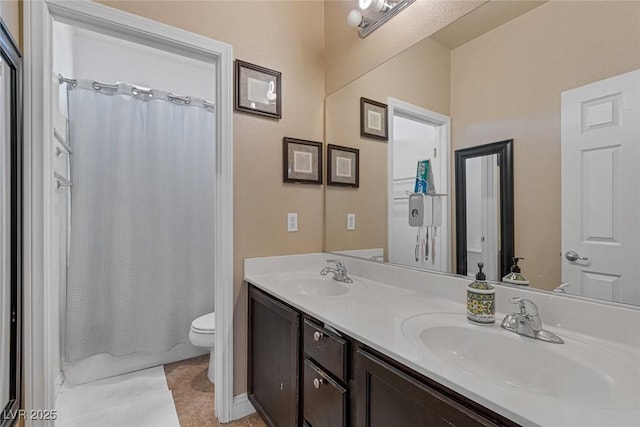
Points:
x=481, y=300
x=515, y=277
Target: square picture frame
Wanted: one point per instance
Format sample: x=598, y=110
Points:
x=343, y=166
x=373, y=119
x=301, y=161
x=258, y=90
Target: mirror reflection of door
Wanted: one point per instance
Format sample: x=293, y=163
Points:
x=483, y=215
x=414, y=139
x=600, y=195
x=484, y=208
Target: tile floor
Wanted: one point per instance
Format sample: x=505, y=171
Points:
x=180, y=395
x=193, y=395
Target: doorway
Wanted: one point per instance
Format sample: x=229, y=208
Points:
x=42, y=332
x=417, y=134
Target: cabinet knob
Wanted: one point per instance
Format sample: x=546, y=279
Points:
x=317, y=382
x=317, y=336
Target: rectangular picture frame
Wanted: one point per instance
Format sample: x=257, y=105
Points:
x=258, y=90
x=343, y=166
x=301, y=161
x=373, y=119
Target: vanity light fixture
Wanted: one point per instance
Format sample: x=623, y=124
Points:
x=382, y=12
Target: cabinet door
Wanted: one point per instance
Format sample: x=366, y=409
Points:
x=325, y=348
x=387, y=397
x=325, y=400
x=273, y=364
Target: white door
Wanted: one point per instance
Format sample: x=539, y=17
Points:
x=483, y=210
x=601, y=188
x=413, y=138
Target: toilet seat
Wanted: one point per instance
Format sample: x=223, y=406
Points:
x=205, y=323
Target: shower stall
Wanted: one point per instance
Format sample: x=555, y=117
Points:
x=134, y=167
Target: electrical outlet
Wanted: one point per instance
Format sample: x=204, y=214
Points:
x=292, y=222
x=351, y=221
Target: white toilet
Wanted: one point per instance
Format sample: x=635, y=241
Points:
x=203, y=334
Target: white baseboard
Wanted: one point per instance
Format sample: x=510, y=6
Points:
x=241, y=407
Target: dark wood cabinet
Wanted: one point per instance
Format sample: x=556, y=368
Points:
x=325, y=399
x=387, y=397
x=326, y=349
x=303, y=373
x=325, y=390
x=274, y=360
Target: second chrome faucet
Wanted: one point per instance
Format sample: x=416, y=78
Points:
x=527, y=322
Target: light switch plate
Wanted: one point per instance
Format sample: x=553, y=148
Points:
x=292, y=222
x=351, y=221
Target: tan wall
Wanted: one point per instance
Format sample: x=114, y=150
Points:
x=349, y=57
x=507, y=83
x=11, y=15
x=289, y=37
x=419, y=76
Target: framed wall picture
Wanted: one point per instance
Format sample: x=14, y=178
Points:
x=302, y=161
x=258, y=90
x=373, y=119
x=343, y=166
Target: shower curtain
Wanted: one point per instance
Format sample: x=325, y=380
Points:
x=142, y=220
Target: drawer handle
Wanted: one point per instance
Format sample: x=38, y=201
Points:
x=317, y=336
x=317, y=382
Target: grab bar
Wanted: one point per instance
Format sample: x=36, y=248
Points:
x=62, y=181
x=62, y=142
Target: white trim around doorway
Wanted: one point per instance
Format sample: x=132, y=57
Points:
x=442, y=123
x=39, y=373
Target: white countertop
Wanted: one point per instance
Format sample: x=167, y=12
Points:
x=380, y=316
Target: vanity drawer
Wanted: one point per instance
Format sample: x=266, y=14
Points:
x=326, y=348
x=325, y=400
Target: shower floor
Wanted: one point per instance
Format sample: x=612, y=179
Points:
x=180, y=395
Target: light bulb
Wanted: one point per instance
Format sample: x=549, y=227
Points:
x=364, y=4
x=354, y=18
x=377, y=5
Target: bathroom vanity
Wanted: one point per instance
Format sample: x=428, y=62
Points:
x=394, y=348
x=303, y=372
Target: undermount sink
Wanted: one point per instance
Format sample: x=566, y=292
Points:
x=313, y=284
x=573, y=371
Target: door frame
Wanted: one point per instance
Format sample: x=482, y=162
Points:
x=41, y=378
x=11, y=55
x=442, y=126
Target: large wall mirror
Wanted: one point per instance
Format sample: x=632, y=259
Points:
x=499, y=73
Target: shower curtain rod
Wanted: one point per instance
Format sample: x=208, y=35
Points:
x=135, y=91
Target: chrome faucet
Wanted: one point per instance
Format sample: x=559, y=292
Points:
x=339, y=273
x=561, y=288
x=527, y=322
